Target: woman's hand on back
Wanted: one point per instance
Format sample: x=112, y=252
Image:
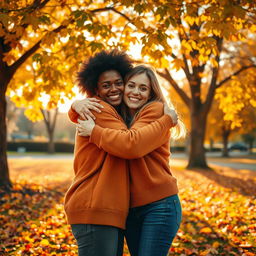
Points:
x=84, y=107
x=85, y=127
x=172, y=113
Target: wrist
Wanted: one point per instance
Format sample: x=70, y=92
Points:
x=73, y=105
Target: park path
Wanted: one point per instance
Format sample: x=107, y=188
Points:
x=237, y=161
x=57, y=171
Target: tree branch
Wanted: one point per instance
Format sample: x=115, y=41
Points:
x=111, y=9
x=54, y=119
x=212, y=88
x=186, y=68
x=24, y=57
x=46, y=121
x=36, y=5
x=234, y=74
x=167, y=76
x=32, y=50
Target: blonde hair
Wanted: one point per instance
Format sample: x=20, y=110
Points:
x=177, y=132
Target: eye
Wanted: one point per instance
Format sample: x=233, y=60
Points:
x=131, y=85
x=105, y=86
x=143, y=89
x=120, y=83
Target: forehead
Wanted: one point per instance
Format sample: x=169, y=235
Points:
x=109, y=75
x=140, y=79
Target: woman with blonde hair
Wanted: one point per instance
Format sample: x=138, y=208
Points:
x=155, y=210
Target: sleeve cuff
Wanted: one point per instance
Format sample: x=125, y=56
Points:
x=96, y=135
x=72, y=115
x=166, y=121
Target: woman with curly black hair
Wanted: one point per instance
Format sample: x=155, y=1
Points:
x=97, y=201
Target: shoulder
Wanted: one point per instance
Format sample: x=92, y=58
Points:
x=152, y=110
x=154, y=107
x=107, y=108
x=107, y=111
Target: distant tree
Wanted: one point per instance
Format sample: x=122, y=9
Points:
x=50, y=118
x=11, y=117
x=25, y=125
x=221, y=126
x=249, y=139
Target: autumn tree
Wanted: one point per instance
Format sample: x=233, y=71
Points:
x=53, y=36
x=202, y=33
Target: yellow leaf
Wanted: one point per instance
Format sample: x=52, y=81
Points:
x=9, y=58
x=44, y=242
x=164, y=63
x=216, y=244
x=205, y=230
x=214, y=62
x=215, y=51
x=138, y=23
x=253, y=28
x=19, y=31
x=177, y=64
x=33, y=114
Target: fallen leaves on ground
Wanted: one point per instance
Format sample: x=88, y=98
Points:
x=217, y=220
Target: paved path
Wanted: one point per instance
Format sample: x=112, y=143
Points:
x=237, y=160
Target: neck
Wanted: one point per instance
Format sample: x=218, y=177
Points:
x=132, y=112
x=117, y=108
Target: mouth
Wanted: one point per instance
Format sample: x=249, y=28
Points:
x=135, y=100
x=115, y=96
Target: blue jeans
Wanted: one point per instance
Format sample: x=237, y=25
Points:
x=98, y=240
x=150, y=229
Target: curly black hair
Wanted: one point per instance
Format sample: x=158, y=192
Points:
x=92, y=68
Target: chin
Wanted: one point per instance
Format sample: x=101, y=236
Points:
x=134, y=107
x=115, y=103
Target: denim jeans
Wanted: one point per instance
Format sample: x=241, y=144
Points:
x=150, y=229
x=98, y=240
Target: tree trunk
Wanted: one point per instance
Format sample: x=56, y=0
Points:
x=197, y=158
x=51, y=145
x=211, y=144
x=5, y=182
x=251, y=146
x=225, y=135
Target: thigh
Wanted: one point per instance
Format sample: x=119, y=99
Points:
x=95, y=240
x=120, y=246
x=161, y=223
x=133, y=232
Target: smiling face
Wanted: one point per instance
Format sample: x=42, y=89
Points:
x=137, y=92
x=111, y=87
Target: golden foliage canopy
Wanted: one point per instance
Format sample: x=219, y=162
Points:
x=59, y=34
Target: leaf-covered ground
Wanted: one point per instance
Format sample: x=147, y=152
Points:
x=219, y=211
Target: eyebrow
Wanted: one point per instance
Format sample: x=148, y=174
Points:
x=107, y=81
x=140, y=84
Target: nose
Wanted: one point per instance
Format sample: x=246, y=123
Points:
x=135, y=91
x=113, y=88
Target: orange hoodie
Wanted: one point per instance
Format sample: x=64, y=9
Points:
x=100, y=191
x=151, y=178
